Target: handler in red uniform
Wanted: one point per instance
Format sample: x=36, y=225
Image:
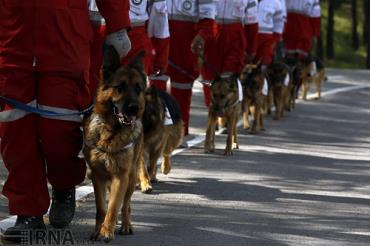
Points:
x=303, y=25
x=191, y=26
x=235, y=44
x=149, y=33
x=44, y=62
x=270, y=29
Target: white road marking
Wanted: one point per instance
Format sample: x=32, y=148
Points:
x=83, y=191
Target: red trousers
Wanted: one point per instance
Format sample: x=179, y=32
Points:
x=225, y=54
x=156, y=54
x=96, y=58
x=139, y=42
x=36, y=149
x=182, y=35
x=265, y=48
x=298, y=34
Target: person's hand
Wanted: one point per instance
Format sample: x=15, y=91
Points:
x=120, y=41
x=197, y=46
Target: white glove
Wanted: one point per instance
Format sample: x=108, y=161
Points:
x=120, y=41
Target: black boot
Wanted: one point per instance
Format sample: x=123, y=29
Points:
x=21, y=231
x=62, y=208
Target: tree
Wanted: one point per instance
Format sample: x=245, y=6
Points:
x=367, y=30
x=365, y=25
x=355, y=39
x=330, y=31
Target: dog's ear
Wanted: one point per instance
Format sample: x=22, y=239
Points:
x=137, y=61
x=111, y=63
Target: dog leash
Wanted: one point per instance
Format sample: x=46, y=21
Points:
x=41, y=112
x=187, y=74
x=172, y=64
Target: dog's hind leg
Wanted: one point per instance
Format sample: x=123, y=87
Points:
x=235, y=131
x=145, y=185
x=209, y=143
x=154, y=155
x=174, y=139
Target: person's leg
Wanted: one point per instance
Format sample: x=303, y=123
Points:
x=159, y=62
x=61, y=138
x=96, y=59
x=183, y=75
x=26, y=184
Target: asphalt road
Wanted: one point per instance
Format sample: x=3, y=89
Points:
x=304, y=181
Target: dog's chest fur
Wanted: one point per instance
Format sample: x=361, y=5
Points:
x=112, y=149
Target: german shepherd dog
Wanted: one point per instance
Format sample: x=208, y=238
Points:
x=308, y=79
x=295, y=73
x=163, y=132
x=280, y=85
x=113, y=142
x=225, y=103
x=252, y=79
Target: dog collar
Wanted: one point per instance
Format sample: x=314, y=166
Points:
x=93, y=146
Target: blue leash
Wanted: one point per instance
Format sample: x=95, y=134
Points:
x=38, y=111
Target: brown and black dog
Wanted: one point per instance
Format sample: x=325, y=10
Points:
x=163, y=132
x=308, y=79
x=225, y=103
x=113, y=143
x=253, y=79
x=280, y=86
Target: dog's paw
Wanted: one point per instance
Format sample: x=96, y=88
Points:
x=166, y=168
x=104, y=234
x=253, y=132
x=153, y=180
x=209, y=150
x=146, y=189
x=228, y=152
x=235, y=146
x=126, y=230
x=95, y=235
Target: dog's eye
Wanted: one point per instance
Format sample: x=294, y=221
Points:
x=137, y=88
x=120, y=88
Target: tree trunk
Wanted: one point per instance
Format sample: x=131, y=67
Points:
x=355, y=40
x=367, y=30
x=330, y=31
x=366, y=24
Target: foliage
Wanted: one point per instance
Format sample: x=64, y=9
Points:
x=345, y=57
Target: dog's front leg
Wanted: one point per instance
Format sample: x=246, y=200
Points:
x=209, y=144
x=117, y=190
x=256, y=118
x=230, y=133
x=126, y=228
x=100, y=191
x=246, y=105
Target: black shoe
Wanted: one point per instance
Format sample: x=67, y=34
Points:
x=21, y=231
x=62, y=208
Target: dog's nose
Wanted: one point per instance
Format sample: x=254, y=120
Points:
x=133, y=108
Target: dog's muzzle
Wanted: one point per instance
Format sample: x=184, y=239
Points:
x=124, y=119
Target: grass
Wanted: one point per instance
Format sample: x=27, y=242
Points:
x=345, y=56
